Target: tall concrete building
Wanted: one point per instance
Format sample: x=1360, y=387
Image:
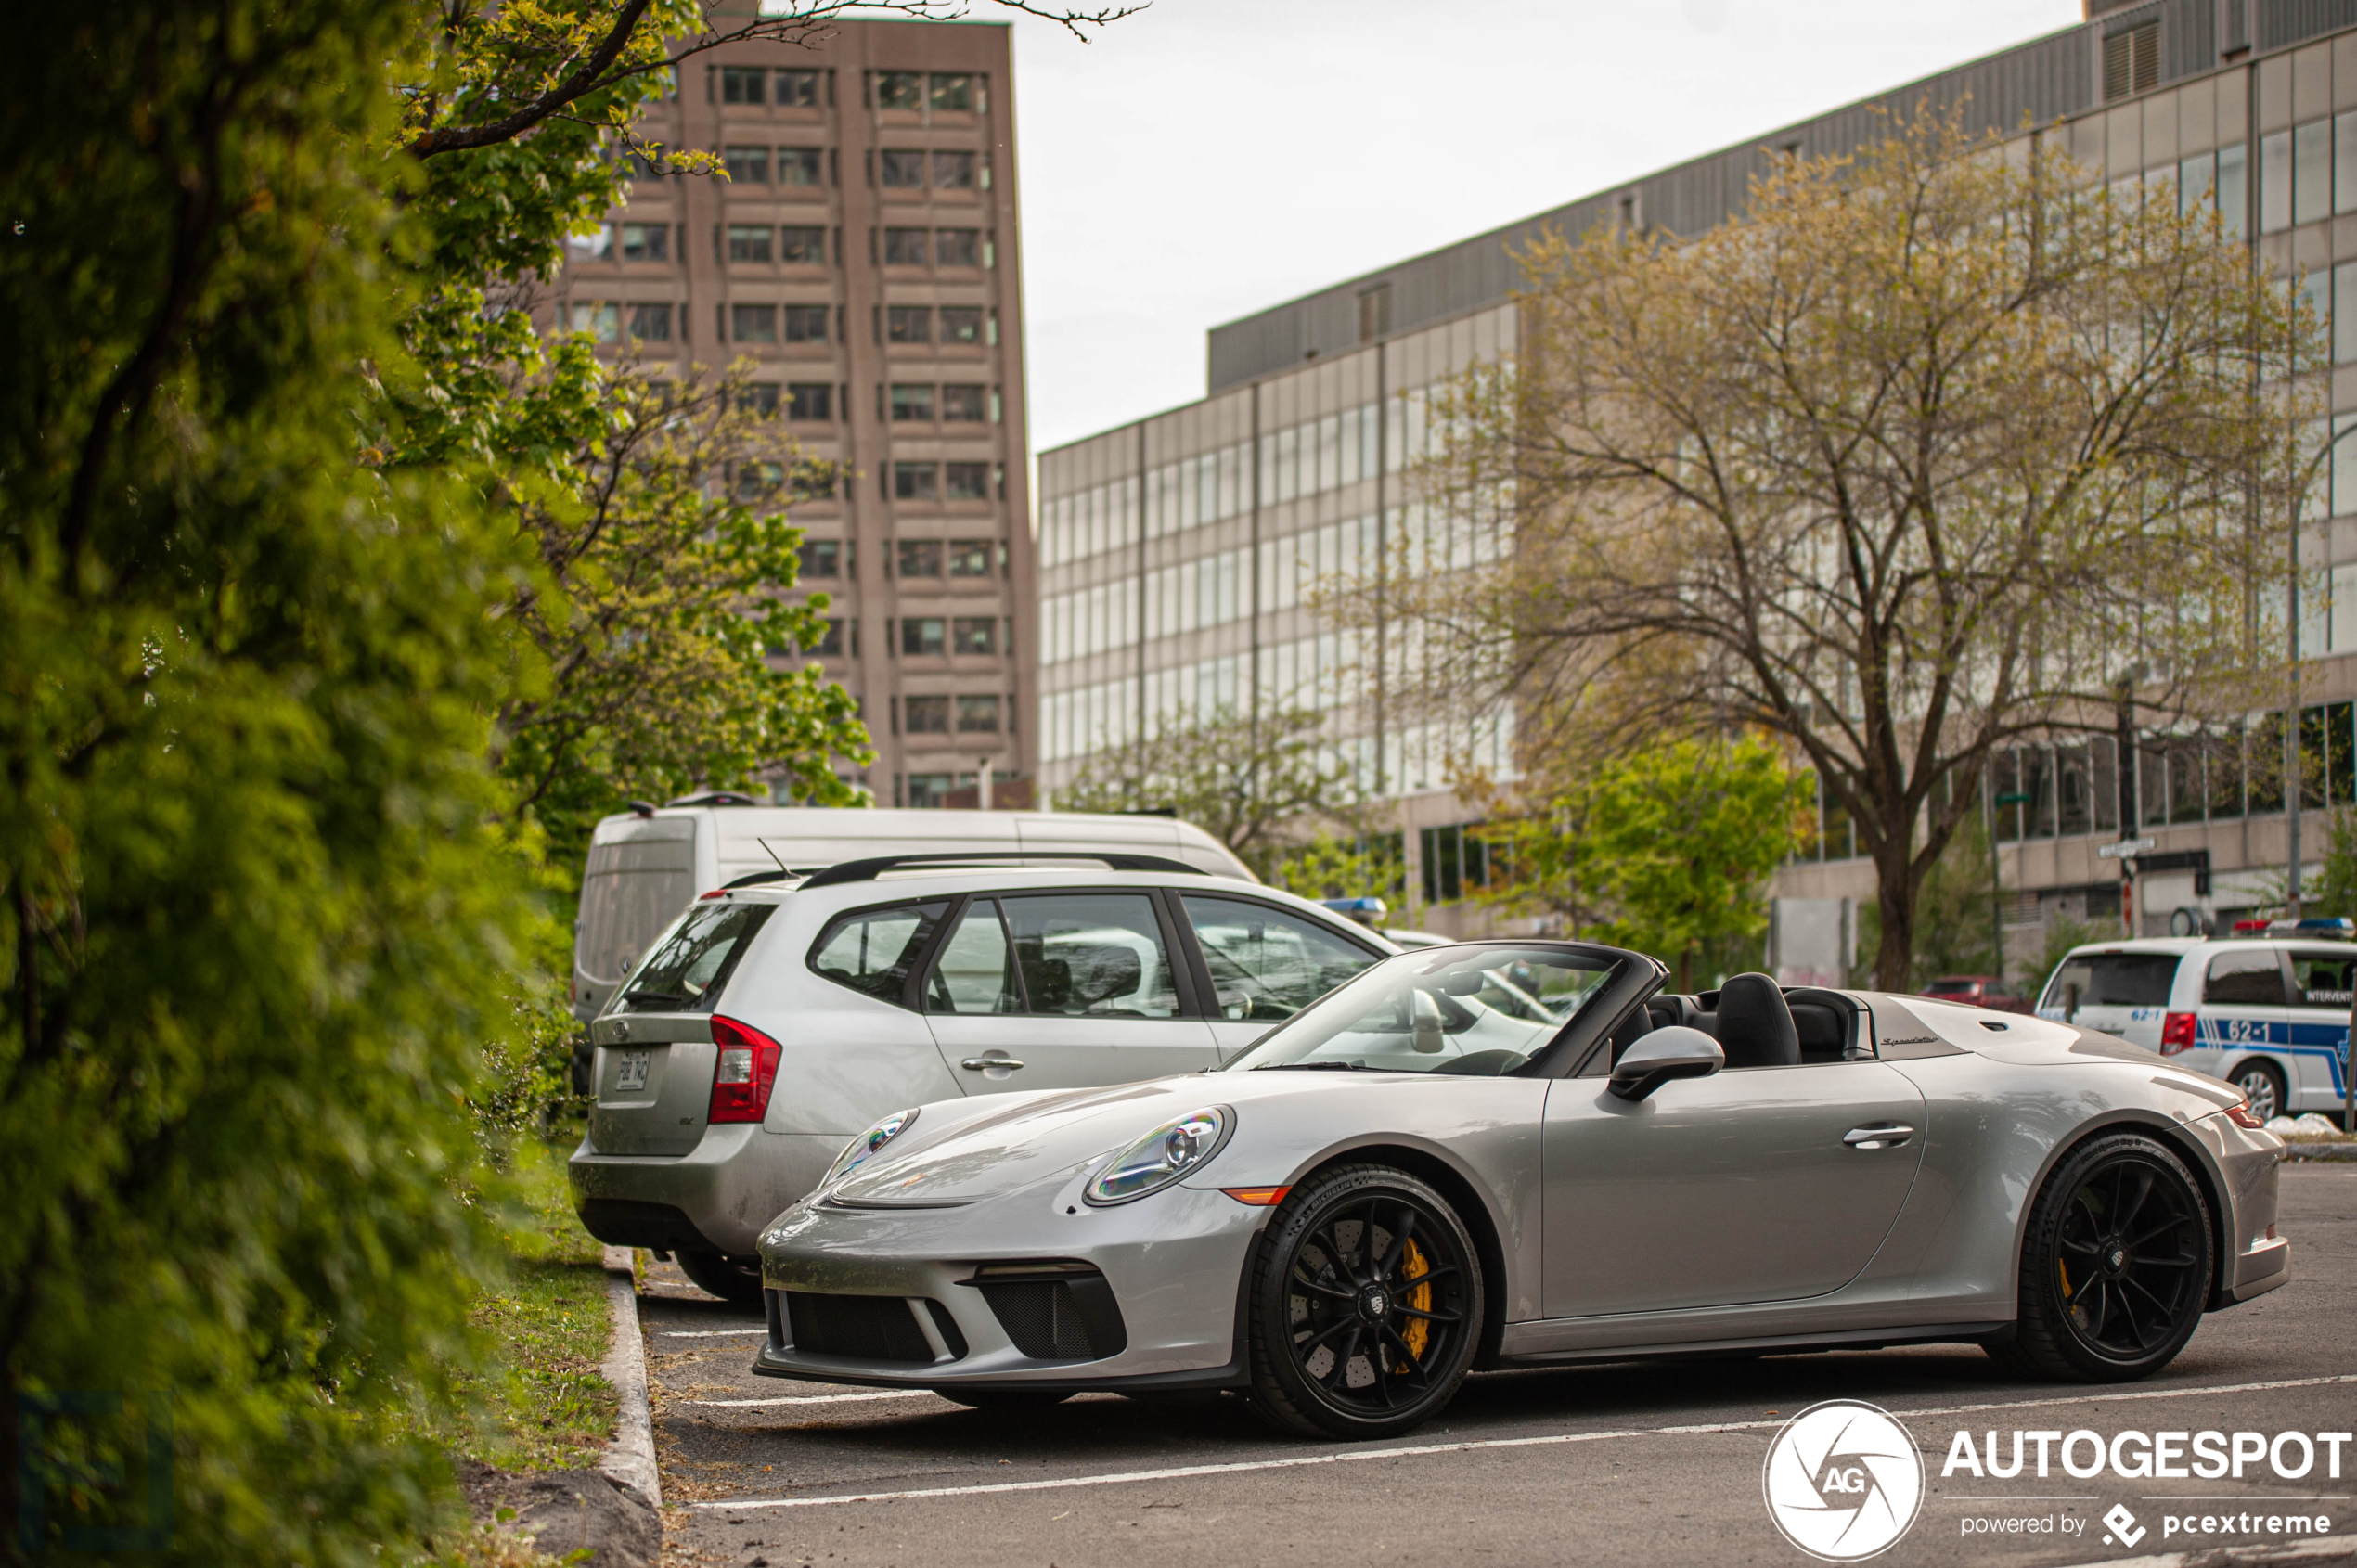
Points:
x=863, y=254
x=1173, y=550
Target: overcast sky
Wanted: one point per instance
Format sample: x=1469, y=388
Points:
x=1205, y=159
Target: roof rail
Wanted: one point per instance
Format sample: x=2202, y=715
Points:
x=754, y=878
x=868, y=870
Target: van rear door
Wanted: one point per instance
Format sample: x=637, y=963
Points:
x=2123, y=994
x=641, y=874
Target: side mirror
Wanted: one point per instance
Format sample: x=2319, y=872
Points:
x=1425, y=1017
x=1674, y=1052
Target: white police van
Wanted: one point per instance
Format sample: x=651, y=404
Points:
x=2267, y=1011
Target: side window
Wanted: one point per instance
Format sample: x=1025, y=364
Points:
x=1092, y=955
x=1265, y=963
x=977, y=970
x=2323, y=979
x=2246, y=979
x=872, y=950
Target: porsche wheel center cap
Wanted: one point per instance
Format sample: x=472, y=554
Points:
x=2118, y=1257
x=1374, y=1304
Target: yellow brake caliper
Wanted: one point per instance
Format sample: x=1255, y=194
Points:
x=1418, y=1333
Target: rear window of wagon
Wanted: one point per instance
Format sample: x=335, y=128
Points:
x=2114, y=980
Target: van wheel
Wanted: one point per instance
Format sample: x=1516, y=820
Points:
x=2263, y=1086
x=737, y=1280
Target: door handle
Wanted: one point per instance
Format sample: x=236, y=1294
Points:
x=977, y=1063
x=1889, y=1137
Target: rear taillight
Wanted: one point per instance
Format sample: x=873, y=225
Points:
x=2176, y=1034
x=2241, y=1114
x=743, y=1077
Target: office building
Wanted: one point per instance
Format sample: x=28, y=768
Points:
x=863, y=254
x=1173, y=550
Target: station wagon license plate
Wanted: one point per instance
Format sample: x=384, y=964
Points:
x=631, y=1072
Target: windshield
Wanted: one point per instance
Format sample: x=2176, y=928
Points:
x=1460, y=1010
x=687, y=970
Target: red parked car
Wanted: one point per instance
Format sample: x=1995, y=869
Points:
x=1976, y=991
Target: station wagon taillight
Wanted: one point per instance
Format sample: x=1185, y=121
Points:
x=742, y=1076
x=2176, y=1034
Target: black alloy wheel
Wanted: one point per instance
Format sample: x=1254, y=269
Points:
x=1366, y=1305
x=735, y=1279
x=2263, y=1086
x=2116, y=1271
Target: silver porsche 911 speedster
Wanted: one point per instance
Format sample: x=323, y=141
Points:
x=1524, y=1153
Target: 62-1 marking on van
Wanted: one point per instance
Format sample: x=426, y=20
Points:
x=2241, y=1031
x=630, y=1072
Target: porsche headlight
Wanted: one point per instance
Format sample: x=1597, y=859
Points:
x=1172, y=1151
x=856, y=1151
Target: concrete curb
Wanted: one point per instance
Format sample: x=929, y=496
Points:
x=629, y=1460
x=2320, y=1550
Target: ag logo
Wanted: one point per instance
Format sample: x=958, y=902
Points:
x=1843, y=1481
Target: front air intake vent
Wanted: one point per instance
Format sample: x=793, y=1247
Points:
x=1055, y=1313
x=857, y=1328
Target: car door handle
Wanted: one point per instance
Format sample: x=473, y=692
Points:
x=1889, y=1137
x=977, y=1063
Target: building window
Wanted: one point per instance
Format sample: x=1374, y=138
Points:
x=746, y=166
x=958, y=246
x=912, y=400
x=970, y=558
x=748, y=242
x=830, y=644
x=754, y=324
x=2312, y=166
x=914, y=482
x=2274, y=183
x=969, y=481
x=797, y=89
x=805, y=324
x=1374, y=313
x=954, y=92
x=810, y=400
x=904, y=247
x=821, y=557
x=651, y=323
x=805, y=247
x=929, y=789
x=591, y=244
x=756, y=480
x=602, y=322
x=899, y=89
x=908, y=324
x=919, y=558
x=798, y=166
x=922, y=637
x=978, y=715
x=2132, y=60
x=960, y=323
x=953, y=171
x=974, y=633
x=645, y=242
x=761, y=398
x=962, y=402
x=744, y=83
x=901, y=168
x=925, y=715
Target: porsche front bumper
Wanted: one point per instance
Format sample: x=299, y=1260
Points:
x=1171, y=1267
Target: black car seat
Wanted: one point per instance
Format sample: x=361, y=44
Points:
x=1754, y=1026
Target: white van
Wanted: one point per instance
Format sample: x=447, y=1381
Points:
x=645, y=866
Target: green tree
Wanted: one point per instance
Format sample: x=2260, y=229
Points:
x=252, y=922
x=2334, y=890
x=1246, y=780
x=1330, y=866
x=1666, y=850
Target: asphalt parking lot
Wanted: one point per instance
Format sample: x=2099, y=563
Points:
x=1631, y=1463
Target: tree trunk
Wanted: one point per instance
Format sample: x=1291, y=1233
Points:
x=1895, y=887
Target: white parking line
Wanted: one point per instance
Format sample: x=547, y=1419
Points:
x=810, y=1399
x=1178, y=1472
x=707, y=1334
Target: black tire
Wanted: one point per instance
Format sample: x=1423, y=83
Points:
x=2262, y=1084
x=735, y=1279
x=2115, y=1269
x=1009, y=1400
x=1413, y=1298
